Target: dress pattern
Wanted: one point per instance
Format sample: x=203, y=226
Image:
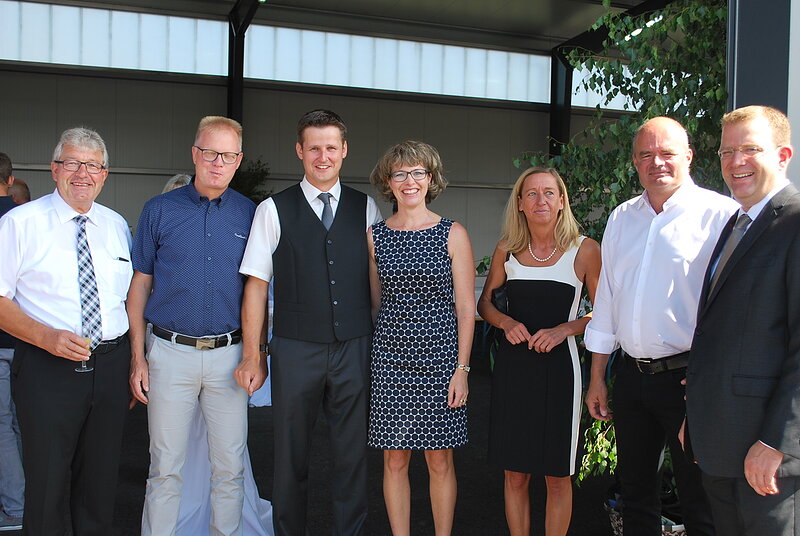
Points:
x=536, y=397
x=415, y=345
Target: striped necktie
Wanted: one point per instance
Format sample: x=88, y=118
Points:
x=90, y=299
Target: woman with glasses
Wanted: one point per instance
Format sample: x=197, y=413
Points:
x=422, y=280
x=544, y=263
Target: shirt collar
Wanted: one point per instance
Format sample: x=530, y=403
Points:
x=756, y=209
x=66, y=212
x=311, y=192
x=196, y=198
x=681, y=196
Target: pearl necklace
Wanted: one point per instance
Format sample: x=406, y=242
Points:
x=530, y=250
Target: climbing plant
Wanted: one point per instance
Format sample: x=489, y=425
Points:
x=669, y=61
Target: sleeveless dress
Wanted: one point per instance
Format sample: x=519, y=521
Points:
x=415, y=344
x=536, y=397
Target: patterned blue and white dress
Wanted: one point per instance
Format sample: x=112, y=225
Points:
x=415, y=345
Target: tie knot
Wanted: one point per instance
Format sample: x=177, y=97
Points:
x=325, y=197
x=742, y=221
x=80, y=219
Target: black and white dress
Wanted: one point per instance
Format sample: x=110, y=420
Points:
x=536, y=397
x=415, y=345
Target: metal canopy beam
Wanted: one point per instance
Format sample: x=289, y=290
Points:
x=239, y=20
x=561, y=75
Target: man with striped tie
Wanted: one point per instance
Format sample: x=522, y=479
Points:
x=63, y=280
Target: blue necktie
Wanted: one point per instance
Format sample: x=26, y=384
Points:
x=327, y=211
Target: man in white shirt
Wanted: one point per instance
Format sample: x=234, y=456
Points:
x=655, y=250
x=743, y=390
x=311, y=240
x=63, y=280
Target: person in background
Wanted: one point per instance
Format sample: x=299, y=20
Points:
x=176, y=181
x=63, y=281
x=544, y=263
x=19, y=191
x=189, y=243
x=422, y=282
x=12, y=478
x=655, y=249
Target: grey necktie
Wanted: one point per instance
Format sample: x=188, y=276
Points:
x=90, y=299
x=733, y=240
x=327, y=211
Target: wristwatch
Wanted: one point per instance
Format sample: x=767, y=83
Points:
x=264, y=348
x=465, y=368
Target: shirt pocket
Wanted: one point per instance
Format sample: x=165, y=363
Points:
x=114, y=272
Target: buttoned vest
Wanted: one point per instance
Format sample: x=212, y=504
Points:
x=321, y=277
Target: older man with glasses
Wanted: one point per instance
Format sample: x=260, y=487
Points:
x=63, y=280
x=186, y=256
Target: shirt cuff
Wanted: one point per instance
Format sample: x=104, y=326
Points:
x=598, y=341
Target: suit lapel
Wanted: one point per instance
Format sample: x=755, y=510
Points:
x=768, y=215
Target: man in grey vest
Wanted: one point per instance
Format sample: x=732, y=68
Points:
x=310, y=239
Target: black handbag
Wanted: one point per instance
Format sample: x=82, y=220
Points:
x=500, y=295
x=500, y=299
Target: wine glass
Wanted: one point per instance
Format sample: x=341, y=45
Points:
x=83, y=367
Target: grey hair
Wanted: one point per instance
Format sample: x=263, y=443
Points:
x=81, y=138
x=176, y=181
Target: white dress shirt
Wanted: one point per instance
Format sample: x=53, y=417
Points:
x=39, y=271
x=265, y=234
x=653, y=269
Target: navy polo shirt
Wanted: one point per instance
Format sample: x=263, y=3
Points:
x=193, y=246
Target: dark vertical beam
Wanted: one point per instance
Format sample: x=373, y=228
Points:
x=239, y=20
x=560, y=101
x=758, y=53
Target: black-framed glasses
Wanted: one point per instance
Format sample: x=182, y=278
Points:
x=93, y=168
x=416, y=174
x=210, y=155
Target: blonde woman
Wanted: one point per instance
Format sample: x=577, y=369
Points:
x=536, y=386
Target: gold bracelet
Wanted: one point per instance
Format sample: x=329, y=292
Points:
x=465, y=368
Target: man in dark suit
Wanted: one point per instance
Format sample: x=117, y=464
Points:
x=743, y=392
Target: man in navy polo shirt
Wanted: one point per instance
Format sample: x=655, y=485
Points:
x=188, y=247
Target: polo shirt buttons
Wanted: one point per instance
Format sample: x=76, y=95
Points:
x=330, y=262
x=333, y=282
x=336, y=302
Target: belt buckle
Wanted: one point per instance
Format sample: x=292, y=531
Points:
x=644, y=361
x=205, y=344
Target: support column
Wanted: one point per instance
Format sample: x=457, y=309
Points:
x=239, y=20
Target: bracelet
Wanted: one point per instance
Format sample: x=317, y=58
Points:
x=263, y=348
x=465, y=368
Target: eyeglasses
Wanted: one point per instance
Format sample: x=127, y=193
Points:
x=74, y=165
x=210, y=156
x=416, y=174
x=746, y=150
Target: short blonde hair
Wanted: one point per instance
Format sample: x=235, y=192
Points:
x=781, y=129
x=217, y=122
x=409, y=153
x=515, y=226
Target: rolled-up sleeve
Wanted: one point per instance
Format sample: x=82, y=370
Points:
x=601, y=333
x=12, y=257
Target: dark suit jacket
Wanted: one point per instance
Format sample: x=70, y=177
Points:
x=744, y=370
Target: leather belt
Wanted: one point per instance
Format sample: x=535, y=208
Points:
x=661, y=364
x=201, y=343
x=106, y=346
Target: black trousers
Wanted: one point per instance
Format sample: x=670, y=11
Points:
x=305, y=375
x=739, y=511
x=648, y=411
x=71, y=424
